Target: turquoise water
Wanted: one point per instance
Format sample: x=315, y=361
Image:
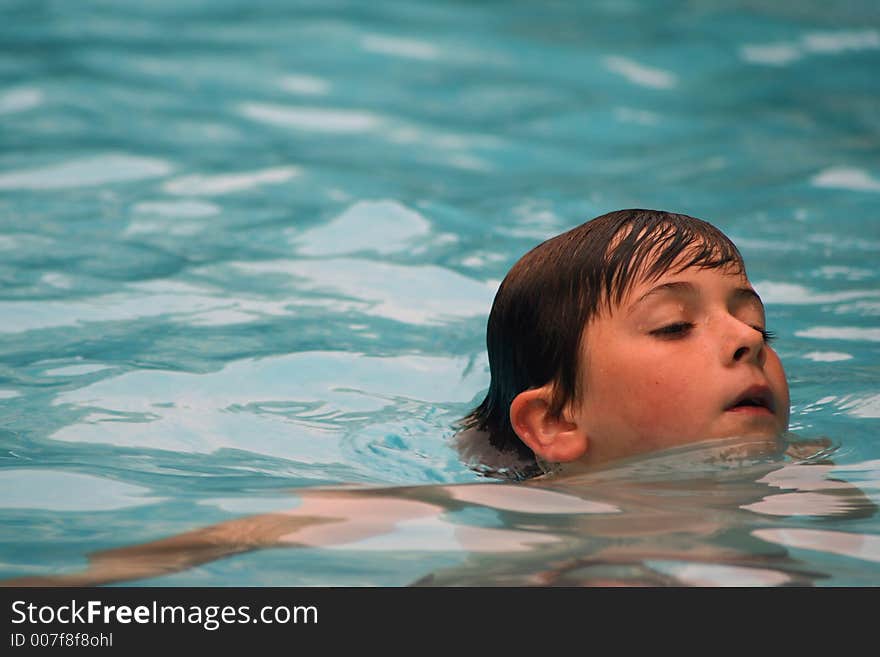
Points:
x=248, y=248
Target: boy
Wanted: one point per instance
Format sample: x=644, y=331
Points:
x=636, y=331
x=633, y=332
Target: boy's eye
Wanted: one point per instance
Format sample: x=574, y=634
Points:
x=769, y=336
x=679, y=329
x=674, y=330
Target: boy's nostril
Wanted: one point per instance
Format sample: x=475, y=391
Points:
x=739, y=353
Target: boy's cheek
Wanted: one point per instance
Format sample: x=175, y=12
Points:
x=649, y=410
x=779, y=383
x=642, y=393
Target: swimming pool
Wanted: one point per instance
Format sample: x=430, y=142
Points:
x=250, y=248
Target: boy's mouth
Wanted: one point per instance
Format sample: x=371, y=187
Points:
x=755, y=399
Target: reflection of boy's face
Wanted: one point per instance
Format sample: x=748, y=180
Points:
x=671, y=364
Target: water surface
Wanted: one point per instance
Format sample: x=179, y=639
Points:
x=249, y=248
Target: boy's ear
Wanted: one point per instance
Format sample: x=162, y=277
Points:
x=551, y=438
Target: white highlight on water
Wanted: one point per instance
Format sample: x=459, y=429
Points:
x=638, y=116
x=527, y=500
x=20, y=100
x=639, y=73
x=311, y=119
x=835, y=42
x=200, y=185
x=848, y=544
x=781, y=53
x=707, y=574
x=422, y=295
x=56, y=280
x=187, y=208
x=312, y=396
x=844, y=271
x=131, y=305
x=86, y=172
x=399, y=47
x=772, y=54
x=792, y=294
x=857, y=180
x=827, y=356
x=434, y=534
x=199, y=305
x=382, y=226
x=307, y=85
x=841, y=333
x=867, y=407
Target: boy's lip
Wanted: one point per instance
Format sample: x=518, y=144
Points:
x=756, y=398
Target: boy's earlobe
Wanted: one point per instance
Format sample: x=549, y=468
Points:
x=551, y=438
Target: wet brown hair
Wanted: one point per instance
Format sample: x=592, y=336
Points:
x=549, y=296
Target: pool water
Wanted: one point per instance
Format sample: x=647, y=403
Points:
x=249, y=248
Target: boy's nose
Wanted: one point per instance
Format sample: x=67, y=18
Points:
x=747, y=344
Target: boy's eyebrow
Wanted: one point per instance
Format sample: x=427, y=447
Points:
x=689, y=289
x=748, y=295
x=680, y=287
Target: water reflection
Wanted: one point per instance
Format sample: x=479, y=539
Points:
x=719, y=513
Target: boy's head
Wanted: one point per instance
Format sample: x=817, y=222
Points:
x=634, y=331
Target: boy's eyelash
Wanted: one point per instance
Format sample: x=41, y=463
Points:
x=769, y=336
x=674, y=330
x=679, y=328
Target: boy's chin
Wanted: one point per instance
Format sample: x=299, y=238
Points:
x=754, y=427
x=730, y=448
x=749, y=445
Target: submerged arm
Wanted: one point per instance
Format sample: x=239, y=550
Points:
x=324, y=518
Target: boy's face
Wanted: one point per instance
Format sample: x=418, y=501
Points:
x=682, y=359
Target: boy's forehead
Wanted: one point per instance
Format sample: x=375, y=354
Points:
x=644, y=282
x=680, y=269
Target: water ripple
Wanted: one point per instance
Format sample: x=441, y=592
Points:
x=36, y=488
x=86, y=172
x=383, y=226
x=814, y=43
x=425, y=294
x=229, y=183
x=840, y=333
x=311, y=119
x=640, y=74
x=20, y=100
x=857, y=180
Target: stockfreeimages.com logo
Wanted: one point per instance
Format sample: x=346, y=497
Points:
x=211, y=617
